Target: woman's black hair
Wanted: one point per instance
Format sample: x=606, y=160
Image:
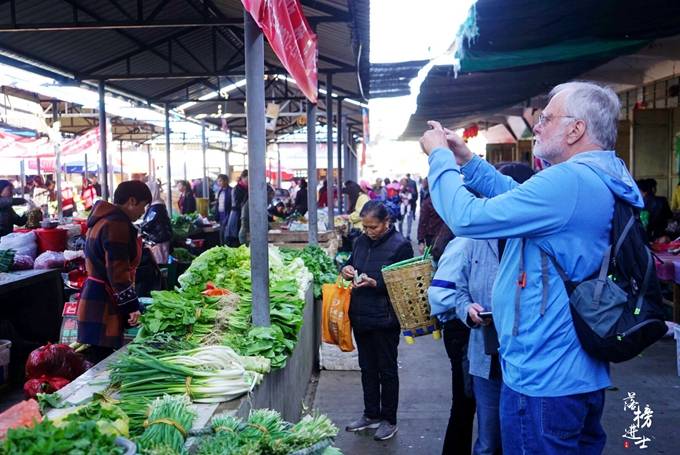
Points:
x=132, y=188
x=376, y=209
x=352, y=190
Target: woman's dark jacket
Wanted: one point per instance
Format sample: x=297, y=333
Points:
x=301, y=201
x=370, y=308
x=8, y=217
x=187, y=203
x=156, y=224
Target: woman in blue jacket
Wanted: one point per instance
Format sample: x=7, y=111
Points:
x=461, y=289
x=375, y=326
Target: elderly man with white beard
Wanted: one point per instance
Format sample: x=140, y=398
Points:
x=553, y=394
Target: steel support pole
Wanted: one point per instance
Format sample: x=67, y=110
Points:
x=103, y=161
x=257, y=186
x=23, y=178
x=57, y=163
x=120, y=149
x=346, y=154
x=168, y=174
x=204, y=149
x=86, y=166
x=278, y=170
x=311, y=175
x=150, y=169
x=330, y=180
x=341, y=175
x=226, y=160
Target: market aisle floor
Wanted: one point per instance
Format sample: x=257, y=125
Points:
x=425, y=399
x=424, y=404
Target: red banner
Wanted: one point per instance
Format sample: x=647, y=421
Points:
x=290, y=37
x=14, y=146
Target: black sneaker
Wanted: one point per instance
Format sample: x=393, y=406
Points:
x=385, y=431
x=362, y=423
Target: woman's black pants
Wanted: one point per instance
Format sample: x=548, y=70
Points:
x=379, y=372
x=458, y=437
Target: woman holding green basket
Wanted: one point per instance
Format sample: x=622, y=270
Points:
x=375, y=326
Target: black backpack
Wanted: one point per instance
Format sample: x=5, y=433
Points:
x=618, y=312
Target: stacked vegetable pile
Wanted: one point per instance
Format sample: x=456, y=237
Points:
x=265, y=432
x=319, y=264
x=90, y=429
x=183, y=225
x=229, y=268
x=208, y=374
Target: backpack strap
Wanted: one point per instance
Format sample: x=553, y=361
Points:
x=521, y=284
x=568, y=284
x=645, y=283
x=602, y=276
x=624, y=234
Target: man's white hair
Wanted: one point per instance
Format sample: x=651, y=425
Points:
x=598, y=106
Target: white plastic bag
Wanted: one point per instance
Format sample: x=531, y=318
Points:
x=49, y=260
x=23, y=243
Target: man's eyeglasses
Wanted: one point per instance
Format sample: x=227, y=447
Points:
x=544, y=119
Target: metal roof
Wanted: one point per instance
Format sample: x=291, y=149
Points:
x=169, y=51
x=512, y=51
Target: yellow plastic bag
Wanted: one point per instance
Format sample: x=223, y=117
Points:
x=335, y=326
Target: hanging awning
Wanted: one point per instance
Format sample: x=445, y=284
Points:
x=509, y=51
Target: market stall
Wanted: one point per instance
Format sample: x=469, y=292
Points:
x=32, y=302
x=200, y=345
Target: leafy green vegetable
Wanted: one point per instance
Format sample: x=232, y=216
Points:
x=319, y=264
x=182, y=255
x=110, y=419
x=265, y=432
x=78, y=437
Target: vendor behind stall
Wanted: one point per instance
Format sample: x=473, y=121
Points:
x=112, y=254
x=8, y=217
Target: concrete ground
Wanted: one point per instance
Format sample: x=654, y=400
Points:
x=425, y=397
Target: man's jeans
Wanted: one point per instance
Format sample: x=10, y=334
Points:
x=552, y=425
x=487, y=395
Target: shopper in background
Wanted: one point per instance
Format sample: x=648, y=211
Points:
x=375, y=326
x=8, y=217
x=413, y=188
x=430, y=222
x=41, y=195
x=323, y=195
x=657, y=207
x=406, y=209
x=301, y=198
x=67, y=201
x=357, y=200
x=187, y=201
x=223, y=206
x=239, y=197
x=96, y=184
x=368, y=189
x=156, y=226
x=379, y=190
x=112, y=253
x=88, y=194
